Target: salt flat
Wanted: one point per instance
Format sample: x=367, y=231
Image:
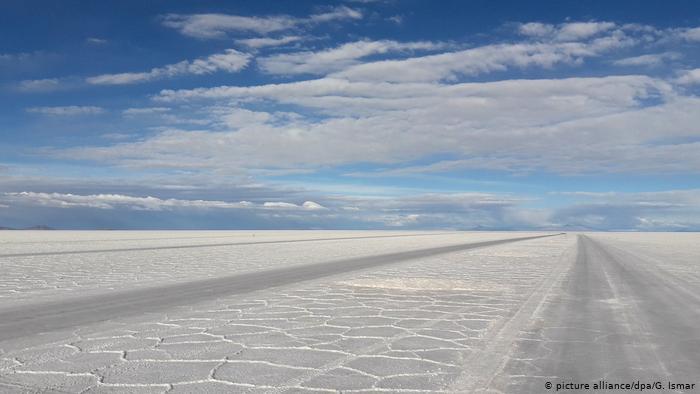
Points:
x=500, y=317
x=65, y=262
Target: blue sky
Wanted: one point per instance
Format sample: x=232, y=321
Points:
x=350, y=115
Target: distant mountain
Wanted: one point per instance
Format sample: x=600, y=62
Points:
x=37, y=227
x=40, y=227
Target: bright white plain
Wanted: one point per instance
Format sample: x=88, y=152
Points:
x=502, y=317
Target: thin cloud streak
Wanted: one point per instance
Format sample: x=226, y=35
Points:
x=229, y=61
x=217, y=26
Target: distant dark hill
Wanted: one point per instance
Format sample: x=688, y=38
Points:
x=37, y=227
x=40, y=227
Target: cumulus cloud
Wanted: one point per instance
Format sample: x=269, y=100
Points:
x=313, y=206
x=689, y=77
x=230, y=61
x=335, y=59
x=308, y=205
x=71, y=110
x=207, y=26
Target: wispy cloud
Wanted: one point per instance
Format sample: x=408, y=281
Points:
x=96, y=41
x=39, y=85
x=418, y=107
x=262, y=42
x=650, y=60
x=336, y=59
x=594, y=123
x=572, y=31
x=230, y=61
x=71, y=110
x=482, y=60
x=145, y=111
x=207, y=26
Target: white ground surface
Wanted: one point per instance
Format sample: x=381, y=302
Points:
x=119, y=260
x=470, y=320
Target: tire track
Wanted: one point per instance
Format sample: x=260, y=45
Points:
x=46, y=317
x=91, y=251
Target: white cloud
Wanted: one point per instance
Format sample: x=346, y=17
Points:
x=655, y=59
x=391, y=114
x=580, y=96
x=72, y=110
x=454, y=210
x=262, y=42
x=571, y=31
x=283, y=205
x=217, y=25
x=569, y=125
x=691, y=34
x=145, y=111
x=313, y=206
x=689, y=77
x=536, y=29
x=96, y=41
x=397, y=19
x=117, y=201
x=230, y=60
x=207, y=26
x=335, y=59
x=483, y=60
x=337, y=13
x=239, y=117
x=307, y=205
x=582, y=30
x=39, y=85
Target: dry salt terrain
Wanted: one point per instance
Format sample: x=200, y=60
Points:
x=351, y=312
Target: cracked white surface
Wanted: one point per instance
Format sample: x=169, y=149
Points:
x=28, y=278
x=408, y=327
